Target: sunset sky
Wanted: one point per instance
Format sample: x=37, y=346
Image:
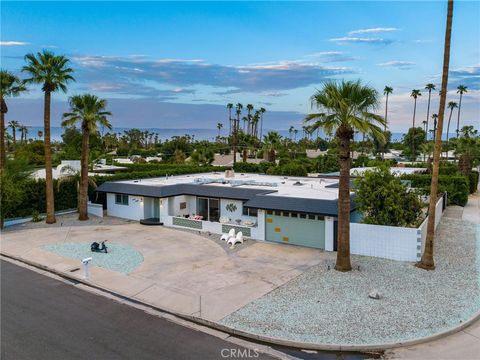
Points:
x=176, y=65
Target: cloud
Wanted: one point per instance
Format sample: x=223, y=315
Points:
x=372, y=30
x=467, y=75
x=13, y=43
x=330, y=56
x=361, y=40
x=423, y=41
x=140, y=74
x=403, y=65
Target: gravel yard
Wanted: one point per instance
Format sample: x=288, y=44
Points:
x=330, y=307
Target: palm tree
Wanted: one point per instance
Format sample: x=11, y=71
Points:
x=90, y=112
x=346, y=105
x=40, y=134
x=426, y=262
x=415, y=93
x=230, y=107
x=262, y=111
x=461, y=89
x=434, y=117
x=11, y=86
x=451, y=105
x=219, y=127
x=386, y=91
x=24, y=132
x=249, y=116
x=290, y=131
x=14, y=125
x=53, y=73
x=295, y=131
x=428, y=87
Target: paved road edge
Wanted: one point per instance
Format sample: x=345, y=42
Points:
x=251, y=336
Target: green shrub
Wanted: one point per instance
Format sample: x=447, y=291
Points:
x=473, y=181
x=456, y=186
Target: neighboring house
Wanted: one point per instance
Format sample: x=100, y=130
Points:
x=72, y=166
x=313, y=154
x=291, y=210
x=227, y=160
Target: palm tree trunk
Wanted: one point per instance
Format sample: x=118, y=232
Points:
x=427, y=261
x=428, y=113
x=413, y=130
x=82, y=202
x=458, y=115
x=3, y=111
x=448, y=129
x=385, y=127
x=344, y=134
x=48, y=160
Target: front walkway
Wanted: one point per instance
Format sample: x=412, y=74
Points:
x=181, y=272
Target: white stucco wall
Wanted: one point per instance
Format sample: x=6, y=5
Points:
x=237, y=214
x=95, y=209
x=329, y=224
x=132, y=211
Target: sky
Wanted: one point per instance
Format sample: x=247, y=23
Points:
x=177, y=64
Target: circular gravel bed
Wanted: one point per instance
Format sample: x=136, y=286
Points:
x=120, y=258
x=331, y=307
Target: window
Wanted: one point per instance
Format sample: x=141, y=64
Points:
x=303, y=216
x=285, y=213
x=269, y=212
x=121, y=199
x=208, y=208
x=249, y=211
x=277, y=213
x=294, y=215
x=321, y=217
x=311, y=217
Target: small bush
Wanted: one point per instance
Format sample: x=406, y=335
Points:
x=473, y=181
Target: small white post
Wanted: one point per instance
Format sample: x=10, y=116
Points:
x=86, y=270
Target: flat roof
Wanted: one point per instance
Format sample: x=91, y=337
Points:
x=289, y=193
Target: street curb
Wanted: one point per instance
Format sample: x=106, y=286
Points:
x=255, y=337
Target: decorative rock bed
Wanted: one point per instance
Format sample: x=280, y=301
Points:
x=120, y=258
x=330, y=307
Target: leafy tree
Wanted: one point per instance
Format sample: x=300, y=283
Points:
x=384, y=200
x=53, y=73
x=202, y=156
x=415, y=137
x=344, y=106
x=32, y=153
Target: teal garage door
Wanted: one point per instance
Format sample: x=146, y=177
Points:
x=295, y=229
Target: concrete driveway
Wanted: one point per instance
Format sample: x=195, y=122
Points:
x=182, y=271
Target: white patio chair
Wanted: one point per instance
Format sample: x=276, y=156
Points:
x=236, y=240
x=231, y=234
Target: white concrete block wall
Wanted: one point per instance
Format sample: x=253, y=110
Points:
x=95, y=209
x=329, y=224
x=132, y=211
x=390, y=242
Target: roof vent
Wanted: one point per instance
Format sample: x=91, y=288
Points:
x=297, y=183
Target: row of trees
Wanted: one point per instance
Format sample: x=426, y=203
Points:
x=53, y=73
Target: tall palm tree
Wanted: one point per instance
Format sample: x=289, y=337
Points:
x=427, y=262
x=435, y=120
x=386, y=91
x=249, y=116
x=40, y=134
x=346, y=105
x=14, y=125
x=53, y=73
x=415, y=93
x=290, y=131
x=295, y=132
x=262, y=111
x=451, y=105
x=236, y=125
x=219, y=128
x=10, y=86
x=428, y=87
x=230, y=107
x=90, y=112
x=24, y=133
x=461, y=89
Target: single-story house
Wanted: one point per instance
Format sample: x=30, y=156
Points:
x=290, y=210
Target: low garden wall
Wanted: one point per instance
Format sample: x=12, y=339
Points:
x=391, y=242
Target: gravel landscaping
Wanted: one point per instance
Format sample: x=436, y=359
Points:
x=120, y=258
x=326, y=306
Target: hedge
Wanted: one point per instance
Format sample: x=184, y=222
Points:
x=66, y=194
x=456, y=186
x=245, y=167
x=473, y=181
